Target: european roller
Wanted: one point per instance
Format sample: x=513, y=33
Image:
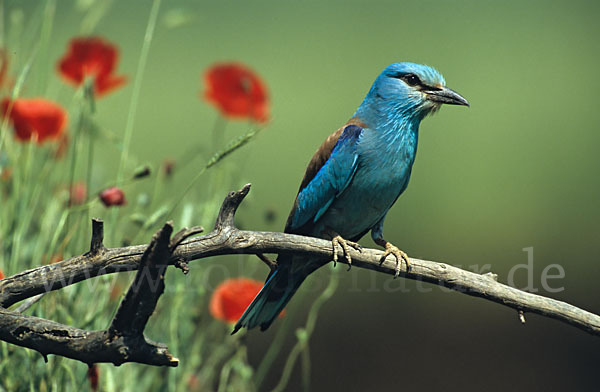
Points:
x=354, y=178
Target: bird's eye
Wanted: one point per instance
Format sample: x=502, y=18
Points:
x=412, y=79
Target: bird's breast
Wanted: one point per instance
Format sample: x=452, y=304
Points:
x=382, y=175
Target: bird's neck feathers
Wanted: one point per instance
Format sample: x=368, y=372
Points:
x=394, y=119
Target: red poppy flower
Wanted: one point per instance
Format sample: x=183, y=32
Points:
x=91, y=57
x=35, y=118
x=112, y=196
x=237, y=92
x=232, y=297
x=1, y=274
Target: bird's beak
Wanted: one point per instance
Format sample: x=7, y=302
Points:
x=447, y=96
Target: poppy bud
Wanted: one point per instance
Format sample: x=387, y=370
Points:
x=112, y=196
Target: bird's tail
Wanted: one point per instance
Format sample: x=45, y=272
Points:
x=279, y=288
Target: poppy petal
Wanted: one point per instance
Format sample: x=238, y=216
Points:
x=35, y=118
x=237, y=91
x=91, y=57
x=232, y=297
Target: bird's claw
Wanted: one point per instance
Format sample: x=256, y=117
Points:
x=398, y=254
x=346, y=245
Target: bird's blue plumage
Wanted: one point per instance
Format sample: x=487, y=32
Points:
x=331, y=180
x=356, y=176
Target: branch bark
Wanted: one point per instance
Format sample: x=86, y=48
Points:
x=227, y=239
x=124, y=340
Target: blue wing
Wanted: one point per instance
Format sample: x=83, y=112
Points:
x=330, y=181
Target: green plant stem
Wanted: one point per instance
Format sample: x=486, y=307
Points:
x=218, y=134
x=137, y=85
x=45, y=34
x=219, y=156
x=14, y=94
x=306, y=368
x=89, y=95
x=135, y=97
x=74, y=153
x=272, y=352
x=90, y=164
x=305, y=333
x=23, y=203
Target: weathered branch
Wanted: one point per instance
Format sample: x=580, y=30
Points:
x=124, y=340
x=227, y=239
x=49, y=337
x=148, y=285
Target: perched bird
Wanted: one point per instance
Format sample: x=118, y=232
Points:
x=354, y=178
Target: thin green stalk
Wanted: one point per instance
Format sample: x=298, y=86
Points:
x=176, y=309
x=222, y=351
x=218, y=132
x=137, y=85
x=40, y=187
x=219, y=156
x=15, y=93
x=89, y=95
x=196, y=150
x=67, y=369
x=95, y=13
x=2, y=32
x=135, y=97
x=306, y=368
x=272, y=352
x=32, y=370
x=304, y=334
x=226, y=369
x=59, y=228
x=90, y=164
x=74, y=152
x=23, y=202
x=45, y=33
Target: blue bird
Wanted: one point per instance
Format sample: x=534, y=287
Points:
x=354, y=178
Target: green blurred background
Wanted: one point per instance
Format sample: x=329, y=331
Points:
x=516, y=170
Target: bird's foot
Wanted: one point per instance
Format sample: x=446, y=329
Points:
x=398, y=254
x=346, y=245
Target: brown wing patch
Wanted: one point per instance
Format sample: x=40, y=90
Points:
x=324, y=152
x=318, y=160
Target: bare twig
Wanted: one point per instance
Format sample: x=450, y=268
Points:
x=227, y=239
x=97, y=245
x=29, y=302
x=272, y=264
x=184, y=234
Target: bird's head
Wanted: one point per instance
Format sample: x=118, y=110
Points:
x=414, y=90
